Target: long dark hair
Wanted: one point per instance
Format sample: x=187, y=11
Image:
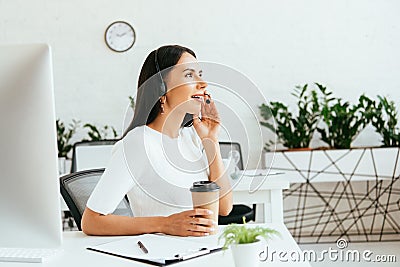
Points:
x=150, y=89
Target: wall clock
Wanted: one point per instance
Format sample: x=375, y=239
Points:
x=120, y=36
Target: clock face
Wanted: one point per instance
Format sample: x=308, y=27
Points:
x=120, y=36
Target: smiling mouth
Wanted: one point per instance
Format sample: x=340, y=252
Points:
x=199, y=97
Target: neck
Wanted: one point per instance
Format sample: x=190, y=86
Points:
x=168, y=123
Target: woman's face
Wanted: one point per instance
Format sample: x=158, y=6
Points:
x=185, y=87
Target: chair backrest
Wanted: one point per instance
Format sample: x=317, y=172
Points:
x=87, y=155
x=227, y=147
x=76, y=189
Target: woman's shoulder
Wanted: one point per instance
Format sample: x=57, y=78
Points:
x=133, y=138
x=135, y=132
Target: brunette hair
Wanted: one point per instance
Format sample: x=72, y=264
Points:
x=150, y=89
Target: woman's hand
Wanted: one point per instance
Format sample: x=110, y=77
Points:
x=188, y=223
x=209, y=125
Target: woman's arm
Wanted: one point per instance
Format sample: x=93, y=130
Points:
x=208, y=129
x=218, y=175
x=182, y=224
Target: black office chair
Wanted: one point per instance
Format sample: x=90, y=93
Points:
x=238, y=210
x=101, y=149
x=76, y=189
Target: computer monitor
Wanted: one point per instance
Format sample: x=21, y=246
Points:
x=29, y=187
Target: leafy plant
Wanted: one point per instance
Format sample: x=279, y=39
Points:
x=97, y=134
x=293, y=131
x=64, y=136
x=384, y=119
x=344, y=121
x=132, y=102
x=241, y=234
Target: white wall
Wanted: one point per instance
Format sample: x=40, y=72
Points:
x=350, y=46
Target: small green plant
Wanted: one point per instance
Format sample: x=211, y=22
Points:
x=64, y=136
x=96, y=134
x=132, y=102
x=384, y=119
x=241, y=234
x=343, y=120
x=293, y=131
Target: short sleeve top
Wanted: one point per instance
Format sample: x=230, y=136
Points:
x=153, y=170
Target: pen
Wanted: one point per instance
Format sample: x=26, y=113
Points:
x=142, y=247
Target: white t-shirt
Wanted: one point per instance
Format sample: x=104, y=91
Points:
x=153, y=170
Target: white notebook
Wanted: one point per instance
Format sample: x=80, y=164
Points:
x=162, y=249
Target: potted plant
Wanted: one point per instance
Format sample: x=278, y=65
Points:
x=99, y=133
x=384, y=119
x=328, y=181
x=344, y=121
x=64, y=145
x=293, y=131
x=244, y=242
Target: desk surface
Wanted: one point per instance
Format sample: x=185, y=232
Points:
x=75, y=253
x=259, y=183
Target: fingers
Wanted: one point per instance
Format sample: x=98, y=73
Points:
x=190, y=233
x=212, y=109
x=199, y=212
x=203, y=109
x=196, y=118
x=200, y=225
x=201, y=229
x=209, y=110
x=204, y=221
x=196, y=121
x=191, y=223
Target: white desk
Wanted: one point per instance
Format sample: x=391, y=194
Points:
x=75, y=253
x=269, y=194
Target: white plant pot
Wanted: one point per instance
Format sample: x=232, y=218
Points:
x=336, y=165
x=61, y=165
x=64, y=165
x=247, y=255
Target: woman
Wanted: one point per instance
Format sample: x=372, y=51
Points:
x=165, y=149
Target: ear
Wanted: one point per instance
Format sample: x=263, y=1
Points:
x=163, y=98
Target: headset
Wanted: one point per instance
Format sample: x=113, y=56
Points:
x=163, y=86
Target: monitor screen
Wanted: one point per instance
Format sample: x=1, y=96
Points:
x=29, y=186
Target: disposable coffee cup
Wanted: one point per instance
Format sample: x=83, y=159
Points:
x=205, y=195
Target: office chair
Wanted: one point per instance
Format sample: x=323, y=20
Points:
x=238, y=210
x=87, y=155
x=76, y=189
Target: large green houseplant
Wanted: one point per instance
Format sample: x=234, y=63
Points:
x=293, y=131
x=384, y=118
x=344, y=121
x=338, y=168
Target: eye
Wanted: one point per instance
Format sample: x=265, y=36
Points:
x=189, y=75
x=200, y=74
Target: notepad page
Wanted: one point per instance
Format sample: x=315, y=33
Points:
x=158, y=246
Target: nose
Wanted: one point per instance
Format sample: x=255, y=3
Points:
x=201, y=84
